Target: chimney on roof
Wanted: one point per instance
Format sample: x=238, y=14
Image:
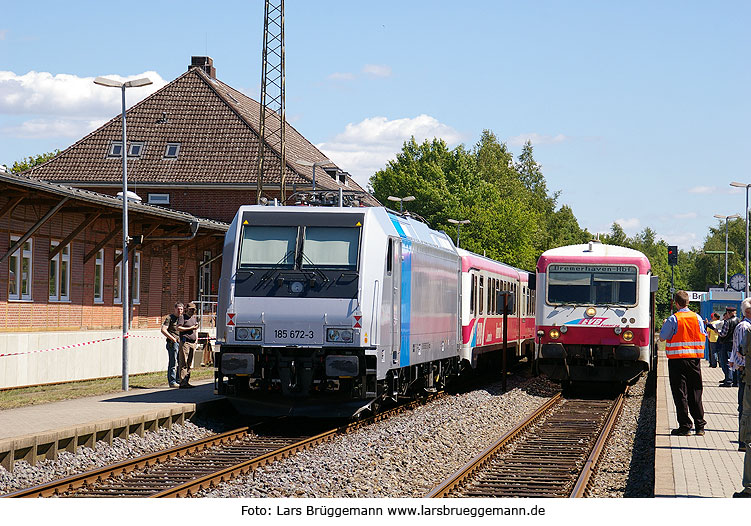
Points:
x=205, y=63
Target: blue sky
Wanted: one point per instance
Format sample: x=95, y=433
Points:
x=638, y=111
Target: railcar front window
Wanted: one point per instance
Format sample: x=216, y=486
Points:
x=331, y=247
x=592, y=285
x=264, y=246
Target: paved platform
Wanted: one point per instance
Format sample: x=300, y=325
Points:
x=695, y=466
x=35, y=432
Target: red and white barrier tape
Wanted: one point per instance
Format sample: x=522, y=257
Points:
x=74, y=345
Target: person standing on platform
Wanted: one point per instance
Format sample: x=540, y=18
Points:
x=187, y=325
x=713, y=333
x=685, y=334
x=169, y=330
x=745, y=415
x=738, y=360
x=726, y=344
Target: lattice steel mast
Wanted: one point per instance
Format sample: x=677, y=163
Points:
x=272, y=119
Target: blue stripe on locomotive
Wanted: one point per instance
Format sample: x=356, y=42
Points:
x=406, y=294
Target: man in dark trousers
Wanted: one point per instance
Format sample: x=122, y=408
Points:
x=684, y=333
x=169, y=330
x=187, y=326
x=726, y=344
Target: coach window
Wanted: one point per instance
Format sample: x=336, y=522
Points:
x=473, y=294
x=390, y=257
x=98, y=273
x=19, y=267
x=482, y=297
x=116, y=298
x=59, y=285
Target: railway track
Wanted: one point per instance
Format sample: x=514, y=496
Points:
x=553, y=453
x=184, y=470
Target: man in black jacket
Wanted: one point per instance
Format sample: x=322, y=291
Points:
x=726, y=344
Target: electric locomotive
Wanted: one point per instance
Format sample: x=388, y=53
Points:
x=328, y=311
x=595, y=316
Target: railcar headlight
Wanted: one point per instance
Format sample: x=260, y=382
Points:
x=554, y=334
x=563, y=329
x=628, y=336
x=249, y=334
x=591, y=311
x=339, y=335
x=618, y=330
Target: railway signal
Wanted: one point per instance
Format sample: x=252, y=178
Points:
x=672, y=255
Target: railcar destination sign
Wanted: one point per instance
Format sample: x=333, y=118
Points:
x=616, y=269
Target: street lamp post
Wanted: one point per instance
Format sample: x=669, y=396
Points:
x=401, y=201
x=458, y=227
x=734, y=216
x=124, y=272
x=746, y=186
x=317, y=163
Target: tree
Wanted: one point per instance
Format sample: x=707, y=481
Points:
x=30, y=162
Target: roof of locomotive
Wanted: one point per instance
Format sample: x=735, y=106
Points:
x=471, y=260
x=594, y=252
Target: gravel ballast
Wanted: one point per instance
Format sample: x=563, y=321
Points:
x=404, y=456
x=85, y=459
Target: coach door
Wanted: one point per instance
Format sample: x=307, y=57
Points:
x=391, y=302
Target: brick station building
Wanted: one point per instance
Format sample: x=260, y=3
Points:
x=193, y=150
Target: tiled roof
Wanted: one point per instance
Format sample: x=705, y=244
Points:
x=216, y=128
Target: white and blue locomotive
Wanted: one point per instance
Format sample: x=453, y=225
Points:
x=330, y=311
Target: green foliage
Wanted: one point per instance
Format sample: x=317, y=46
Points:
x=30, y=162
x=512, y=216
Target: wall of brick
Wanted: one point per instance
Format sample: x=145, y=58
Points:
x=169, y=273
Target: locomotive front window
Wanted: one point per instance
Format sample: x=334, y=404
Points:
x=264, y=246
x=592, y=285
x=330, y=247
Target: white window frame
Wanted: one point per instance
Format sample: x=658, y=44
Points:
x=117, y=297
x=158, y=199
x=111, y=152
x=136, y=281
x=177, y=150
x=60, y=276
x=141, y=147
x=99, y=267
x=19, y=255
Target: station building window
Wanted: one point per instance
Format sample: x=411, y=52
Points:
x=19, y=267
x=59, y=284
x=98, y=274
x=136, y=285
x=117, y=298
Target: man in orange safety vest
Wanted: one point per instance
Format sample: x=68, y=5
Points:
x=684, y=333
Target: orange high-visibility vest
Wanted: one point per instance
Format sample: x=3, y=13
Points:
x=688, y=341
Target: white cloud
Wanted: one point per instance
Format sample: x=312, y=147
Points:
x=536, y=139
x=364, y=147
x=629, y=224
x=702, y=189
x=45, y=128
x=377, y=70
x=687, y=215
x=42, y=93
x=341, y=76
x=684, y=240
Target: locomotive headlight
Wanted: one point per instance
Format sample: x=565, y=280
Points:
x=628, y=336
x=339, y=335
x=590, y=312
x=617, y=330
x=248, y=334
x=554, y=334
x=563, y=329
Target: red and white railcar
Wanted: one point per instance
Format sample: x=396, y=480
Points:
x=595, y=313
x=482, y=314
